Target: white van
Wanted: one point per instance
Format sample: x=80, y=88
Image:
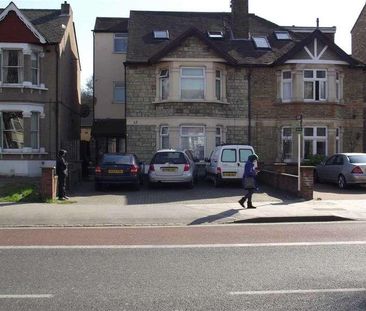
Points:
x=227, y=163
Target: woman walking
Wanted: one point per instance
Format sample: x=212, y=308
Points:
x=249, y=181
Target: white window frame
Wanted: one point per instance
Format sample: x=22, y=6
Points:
x=35, y=130
x=286, y=81
x=120, y=37
x=35, y=69
x=315, y=138
x=164, y=83
x=261, y=42
x=218, y=135
x=161, y=34
x=282, y=35
x=2, y=145
x=19, y=67
x=200, y=78
x=338, y=86
x=119, y=85
x=202, y=134
x=338, y=148
x=287, y=138
x=219, y=83
x=164, y=135
x=314, y=80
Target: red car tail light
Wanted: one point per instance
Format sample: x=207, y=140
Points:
x=151, y=168
x=134, y=169
x=186, y=167
x=98, y=170
x=218, y=170
x=357, y=170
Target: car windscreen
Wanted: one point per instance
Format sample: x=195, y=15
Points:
x=169, y=157
x=360, y=158
x=117, y=159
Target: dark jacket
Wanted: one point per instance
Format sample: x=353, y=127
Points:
x=61, y=166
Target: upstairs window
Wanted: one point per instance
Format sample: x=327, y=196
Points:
x=315, y=85
x=286, y=86
x=218, y=84
x=192, y=83
x=261, y=42
x=120, y=43
x=12, y=66
x=164, y=84
x=35, y=68
x=338, y=87
x=119, y=93
x=161, y=34
x=282, y=35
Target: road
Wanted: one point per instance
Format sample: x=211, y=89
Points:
x=298, y=266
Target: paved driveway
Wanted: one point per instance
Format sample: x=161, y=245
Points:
x=326, y=191
x=204, y=192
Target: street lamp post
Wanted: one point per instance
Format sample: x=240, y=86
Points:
x=299, y=131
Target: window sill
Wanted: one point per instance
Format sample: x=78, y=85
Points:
x=189, y=101
x=22, y=151
x=23, y=86
x=117, y=103
x=279, y=102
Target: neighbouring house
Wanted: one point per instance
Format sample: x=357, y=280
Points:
x=39, y=89
x=110, y=48
x=359, y=51
x=198, y=79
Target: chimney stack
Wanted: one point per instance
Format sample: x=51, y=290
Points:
x=65, y=9
x=240, y=18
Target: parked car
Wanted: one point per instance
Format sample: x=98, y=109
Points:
x=119, y=168
x=342, y=168
x=172, y=166
x=227, y=163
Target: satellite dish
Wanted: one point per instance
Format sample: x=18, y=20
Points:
x=84, y=111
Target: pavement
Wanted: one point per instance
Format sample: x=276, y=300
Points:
x=168, y=206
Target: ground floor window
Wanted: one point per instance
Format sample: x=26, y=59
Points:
x=12, y=130
x=35, y=130
x=164, y=137
x=315, y=141
x=286, y=143
x=338, y=144
x=218, y=137
x=193, y=138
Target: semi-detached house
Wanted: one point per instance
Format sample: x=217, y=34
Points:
x=39, y=88
x=195, y=80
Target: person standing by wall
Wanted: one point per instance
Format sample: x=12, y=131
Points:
x=61, y=171
x=249, y=180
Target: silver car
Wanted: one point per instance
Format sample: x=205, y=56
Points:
x=172, y=166
x=343, y=169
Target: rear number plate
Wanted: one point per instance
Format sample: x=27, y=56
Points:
x=229, y=174
x=169, y=169
x=115, y=171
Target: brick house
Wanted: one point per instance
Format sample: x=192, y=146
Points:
x=110, y=48
x=196, y=79
x=39, y=88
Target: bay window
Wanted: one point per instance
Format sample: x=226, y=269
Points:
x=164, y=84
x=12, y=130
x=35, y=68
x=192, y=83
x=315, y=85
x=286, y=142
x=315, y=141
x=218, y=137
x=193, y=138
x=34, y=132
x=12, y=66
x=164, y=137
x=218, y=85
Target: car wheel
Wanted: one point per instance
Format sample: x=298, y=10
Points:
x=342, y=184
x=151, y=185
x=97, y=187
x=190, y=184
x=137, y=186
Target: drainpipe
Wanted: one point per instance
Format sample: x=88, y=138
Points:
x=249, y=78
x=125, y=65
x=57, y=101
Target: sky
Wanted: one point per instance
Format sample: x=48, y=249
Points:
x=340, y=13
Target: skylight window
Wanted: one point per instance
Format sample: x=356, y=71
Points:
x=261, y=42
x=161, y=34
x=282, y=35
x=215, y=34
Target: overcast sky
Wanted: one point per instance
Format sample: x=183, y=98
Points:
x=339, y=13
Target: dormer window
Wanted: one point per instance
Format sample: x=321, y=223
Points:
x=261, y=42
x=282, y=35
x=215, y=34
x=161, y=34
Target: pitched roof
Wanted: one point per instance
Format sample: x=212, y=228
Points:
x=325, y=39
x=47, y=22
x=111, y=24
x=143, y=47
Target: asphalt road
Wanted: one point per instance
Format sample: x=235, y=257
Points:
x=239, y=267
